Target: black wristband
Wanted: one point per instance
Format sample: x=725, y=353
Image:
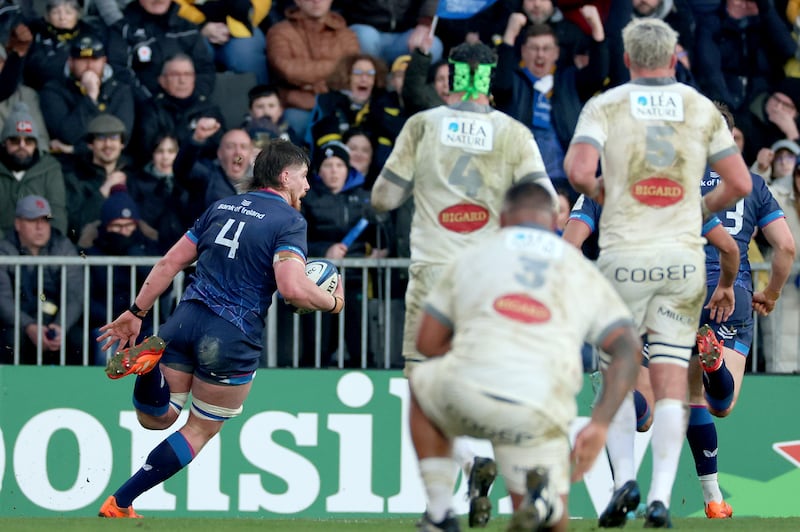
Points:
x=136, y=311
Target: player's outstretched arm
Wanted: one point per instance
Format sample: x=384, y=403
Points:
x=780, y=238
x=126, y=327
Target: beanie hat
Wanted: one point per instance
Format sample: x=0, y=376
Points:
x=105, y=124
x=87, y=47
x=334, y=148
x=19, y=123
x=118, y=205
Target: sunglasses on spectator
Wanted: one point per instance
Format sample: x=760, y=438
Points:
x=107, y=136
x=786, y=157
x=19, y=141
x=360, y=72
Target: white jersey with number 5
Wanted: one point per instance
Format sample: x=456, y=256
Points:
x=656, y=137
x=460, y=161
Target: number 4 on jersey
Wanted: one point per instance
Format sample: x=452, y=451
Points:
x=232, y=243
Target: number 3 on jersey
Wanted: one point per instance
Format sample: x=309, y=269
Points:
x=232, y=243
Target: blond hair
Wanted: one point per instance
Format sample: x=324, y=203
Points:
x=649, y=42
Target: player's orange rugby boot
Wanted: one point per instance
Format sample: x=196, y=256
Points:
x=710, y=349
x=139, y=359
x=719, y=510
x=112, y=511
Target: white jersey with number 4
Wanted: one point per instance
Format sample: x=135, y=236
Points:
x=656, y=136
x=460, y=161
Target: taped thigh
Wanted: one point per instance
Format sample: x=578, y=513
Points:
x=211, y=412
x=662, y=351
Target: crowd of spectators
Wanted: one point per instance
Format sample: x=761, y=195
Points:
x=101, y=94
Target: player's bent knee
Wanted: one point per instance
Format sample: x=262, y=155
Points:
x=155, y=423
x=721, y=413
x=211, y=412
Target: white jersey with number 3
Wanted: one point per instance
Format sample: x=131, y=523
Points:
x=460, y=161
x=656, y=136
x=521, y=304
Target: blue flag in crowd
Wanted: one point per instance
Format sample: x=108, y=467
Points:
x=461, y=8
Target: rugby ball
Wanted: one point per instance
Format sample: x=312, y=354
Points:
x=325, y=274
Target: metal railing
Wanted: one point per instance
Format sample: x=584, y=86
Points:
x=283, y=342
x=286, y=333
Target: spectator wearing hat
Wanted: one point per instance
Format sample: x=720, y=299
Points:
x=177, y=107
x=88, y=89
x=29, y=97
x=32, y=235
x=90, y=176
x=150, y=33
x=25, y=169
x=53, y=34
x=266, y=118
x=303, y=51
x=118, y=235
x=206, y=179
x=776, y=163
x=335, y=203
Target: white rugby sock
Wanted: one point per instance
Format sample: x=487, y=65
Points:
x=669, y=430
x=710, y=485
x=619, y=442
x=463, y=454
x=437, y=476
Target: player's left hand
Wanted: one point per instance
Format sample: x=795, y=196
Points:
x=763, y=304
x=721, y=304
x=588, y=444
x=125, y=329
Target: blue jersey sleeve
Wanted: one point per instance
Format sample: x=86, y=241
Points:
x=768, y=210
x=587, y=211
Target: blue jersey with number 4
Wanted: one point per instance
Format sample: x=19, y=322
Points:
x=237, y=238
x=756, y=210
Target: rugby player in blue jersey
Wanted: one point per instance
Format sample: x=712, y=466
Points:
x=715, y=377
x=246, y=247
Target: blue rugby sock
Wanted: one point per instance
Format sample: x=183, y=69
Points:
x=702, y=436
x=642, y=409
x=169, y=457
x=719, y=387
x=151, y=393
